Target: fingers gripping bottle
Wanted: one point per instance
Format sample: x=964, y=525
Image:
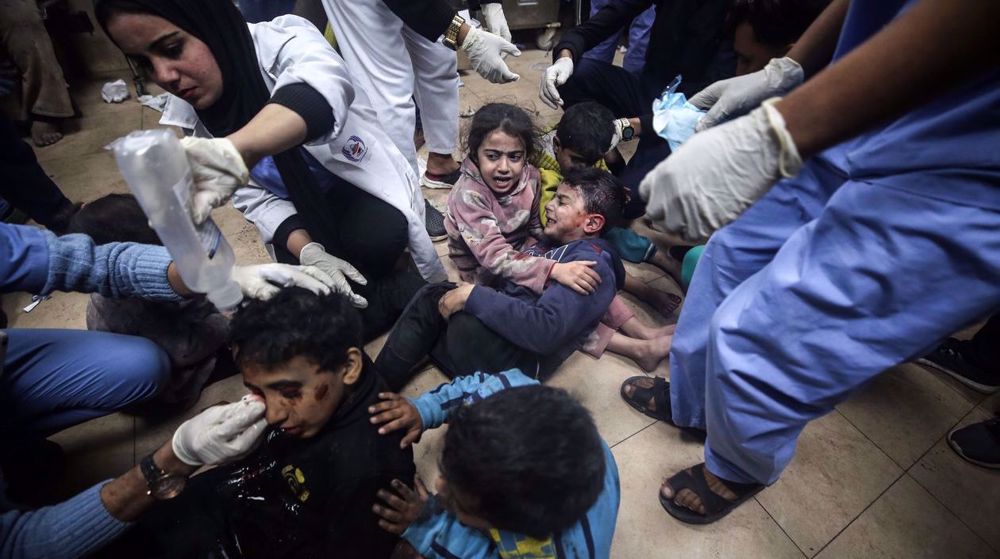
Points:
x=156, y=169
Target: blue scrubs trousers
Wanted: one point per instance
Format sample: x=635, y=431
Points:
x=638, y=40
x=820, y=286
x=53, y=379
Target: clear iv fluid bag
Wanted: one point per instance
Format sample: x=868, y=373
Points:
x=156, y=170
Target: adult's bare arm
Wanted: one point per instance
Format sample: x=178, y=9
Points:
x=936, y=46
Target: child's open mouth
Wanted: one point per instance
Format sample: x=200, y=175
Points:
x=503, y=182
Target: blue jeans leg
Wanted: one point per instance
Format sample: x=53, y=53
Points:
x=879, y=277
x=605, y=50
x=53, y=379
x=638, y=41
x=732, y=255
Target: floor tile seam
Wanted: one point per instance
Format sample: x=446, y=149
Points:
x=935, y=497
x=633, y=434
x=876, y=445
x=951, y=512
x=861, y=513
x=782, y=528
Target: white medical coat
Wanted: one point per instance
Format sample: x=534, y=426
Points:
x=291, y=50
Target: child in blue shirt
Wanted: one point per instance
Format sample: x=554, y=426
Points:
x=511, y=485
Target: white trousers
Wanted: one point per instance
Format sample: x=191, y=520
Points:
x=395, y=65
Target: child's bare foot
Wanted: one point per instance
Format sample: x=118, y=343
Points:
x=649, y=353
x=45, y=133
x=665, y=303
x=662, y=331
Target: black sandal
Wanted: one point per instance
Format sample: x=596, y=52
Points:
x=659, y=393
x=716, y=506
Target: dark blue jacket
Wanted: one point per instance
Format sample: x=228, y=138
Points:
x=552, y=324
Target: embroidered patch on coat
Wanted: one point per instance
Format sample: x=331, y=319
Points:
x=355, y=149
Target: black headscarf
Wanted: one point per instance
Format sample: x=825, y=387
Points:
x=219, y=24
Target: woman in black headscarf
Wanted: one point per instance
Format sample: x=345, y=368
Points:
x=330, y=188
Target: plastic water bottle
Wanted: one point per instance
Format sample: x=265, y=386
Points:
x=156, y=169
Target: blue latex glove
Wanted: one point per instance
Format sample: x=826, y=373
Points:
x=674, y=118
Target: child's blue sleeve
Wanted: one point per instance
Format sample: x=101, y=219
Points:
x=435, y=406
x=442, y=536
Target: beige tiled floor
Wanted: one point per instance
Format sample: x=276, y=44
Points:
x=875, y=478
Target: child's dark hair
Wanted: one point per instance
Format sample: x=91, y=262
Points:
x=115, y=218
x=508, y=118
x=602, y=193
x=776, y=23
x=529, y=459
x=296, y=323
x=587, y=128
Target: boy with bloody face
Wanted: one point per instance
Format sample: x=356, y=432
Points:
x=307, y=490
x=478, y=328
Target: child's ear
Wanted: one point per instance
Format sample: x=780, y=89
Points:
x=353, y=366
x=594, y=224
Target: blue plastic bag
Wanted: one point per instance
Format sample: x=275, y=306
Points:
x=674, y=119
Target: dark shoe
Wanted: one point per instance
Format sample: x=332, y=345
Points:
x=716, y=506
x=430, y=180
x=30, y=469
x=978, y=443
x=434, y=222
x=949, y=359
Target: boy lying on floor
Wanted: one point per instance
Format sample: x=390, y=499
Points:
x=307, y=491
x=491, y=329
x=524, y=473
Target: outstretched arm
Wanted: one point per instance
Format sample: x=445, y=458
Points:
x=878, y=81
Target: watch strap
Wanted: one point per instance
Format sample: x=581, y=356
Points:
x=451, y=35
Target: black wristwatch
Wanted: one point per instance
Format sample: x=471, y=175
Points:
x=161, y=485
x=628, y=132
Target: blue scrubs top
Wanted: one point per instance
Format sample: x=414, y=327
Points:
x=956, y=136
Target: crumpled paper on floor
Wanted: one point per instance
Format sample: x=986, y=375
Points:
x=114, y=92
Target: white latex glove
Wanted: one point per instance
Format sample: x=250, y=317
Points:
x=717, y=174
x=734, y=97
x=218, y=170
x=314, y=254
x=494, y=20
x=263, y=281
x=220, y=433
x=486, y=51
x=555, y=75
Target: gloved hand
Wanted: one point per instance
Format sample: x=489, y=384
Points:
x=717, y=174
x=218, y=170
x=555, y=75
x=734, y=97
x=263, y=281
x=494, y=21
x=220, y=433
x=485, y=52
x=314, y=254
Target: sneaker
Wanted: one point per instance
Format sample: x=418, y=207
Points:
x=948, y=359
x=978, y=443
x=434, y=222
x=430, y=180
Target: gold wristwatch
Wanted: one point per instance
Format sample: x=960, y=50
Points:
x=451, y=35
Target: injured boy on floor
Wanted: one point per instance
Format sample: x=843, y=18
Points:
x=308, y=489
x=472, y=328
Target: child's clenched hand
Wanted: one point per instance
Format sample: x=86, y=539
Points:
x=396, y=412
x=402, y=505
